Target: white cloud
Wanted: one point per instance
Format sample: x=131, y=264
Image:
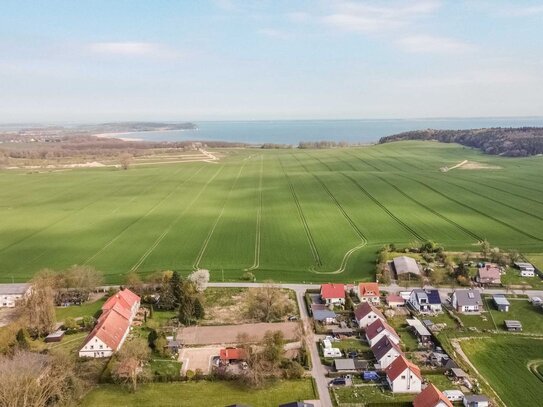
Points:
x=436, y=45
x=135, y=49
x=273, y=33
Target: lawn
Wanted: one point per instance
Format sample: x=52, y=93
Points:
x=287, y=215
x=166, y=367
x=200, y=394
x=76, y=311
x=503, y=360
x=368, y=394
x=521, y=310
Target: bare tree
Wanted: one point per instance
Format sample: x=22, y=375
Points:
x=125, y=159
x=200, y=279
x=83, y=277
x=268, y=303
x=130, y=360
x=40, y=306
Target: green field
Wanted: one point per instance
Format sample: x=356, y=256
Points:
x=200, y=394
x=290, y=215
x=504, y=361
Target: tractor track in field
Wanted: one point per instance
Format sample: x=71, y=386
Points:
x=475, y=210
x=354, y=227
x=364, y=161
x=149, y=211
x=450, y=221
x=527, y=198
x=384, y=208
x=167, y=230
x=314, y=158
x=256, y=263
x=205, y=243
x=311, y=241
x=493, y=200
x=386, y=159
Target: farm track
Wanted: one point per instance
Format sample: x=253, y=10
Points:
x=476, y=210
x=167, y=230
x=384, y=208
x=490, y=199
x=446, y=219
x=256, y=263
x=354, y=227
x=363, y=161
x=149, y=211
x=311, y=241
x=202, y=251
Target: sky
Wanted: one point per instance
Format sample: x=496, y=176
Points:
x=92, y=61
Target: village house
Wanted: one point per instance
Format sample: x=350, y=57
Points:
x=395, y=301
x=378, y=329
x=431, y=397
x=365, y=314
x=526, y=269
x=385, y=352
x=11, y=294
x=501, y=302
x=403, y=376
x=467, y=301
x=113, y=325
x=323, y=314
x=489, y=274
x=333, y=294
x=406, y=267
x=425, y=300
x=369, y=292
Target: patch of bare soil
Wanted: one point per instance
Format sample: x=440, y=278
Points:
x=473, y=165
x=231, y=313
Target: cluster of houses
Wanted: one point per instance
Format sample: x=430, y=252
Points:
x=401, y=374
x=113, y=325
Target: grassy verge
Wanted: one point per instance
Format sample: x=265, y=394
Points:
x=76, y=311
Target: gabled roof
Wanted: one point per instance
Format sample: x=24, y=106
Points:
x=381, y=348
x=468, y=297
x=320, y=312
x=368, y=289
x=405, y=264
x=130, y=297
x=394, y=298
x=110, y=329
x=430, y=397
x=399, y=365
x=489, y=271
x=232, y=354
x=364, y=309
x=14, y=289
x=376, y=327
x=431, y=294
x=122, y=310
x=333, y=291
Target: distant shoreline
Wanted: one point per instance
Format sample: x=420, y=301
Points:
x=116, y=135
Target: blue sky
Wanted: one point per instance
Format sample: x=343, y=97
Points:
x=226, y=59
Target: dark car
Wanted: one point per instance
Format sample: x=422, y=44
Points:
x=339, y=381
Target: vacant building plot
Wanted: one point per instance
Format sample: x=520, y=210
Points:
x=228, y=334
x=198, y=358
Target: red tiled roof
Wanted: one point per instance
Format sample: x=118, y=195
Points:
x=110, y=329
x=364, y=309
x=394, y=298
x=114, y=300
x=489, y=271
x=333, y=291
x=399, y=365
x=377, y=327
x=368, y=289
x=129, y=297
x=430, y=397
x=232, y=354
x=122, y=310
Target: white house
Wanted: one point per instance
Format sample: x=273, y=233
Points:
x=378, y=329
x=403, y=376
x=431, y=397
x=112, y=326
x=425, y=301
x=333, y=294
x=385, y=352
x=369, y=292
x=11, y=294
x=466, y=301
x=365, y=314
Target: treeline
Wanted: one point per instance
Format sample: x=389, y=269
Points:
x=325, y=144
x=511, y=142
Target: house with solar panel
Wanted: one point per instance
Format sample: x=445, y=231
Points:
x=425, y=301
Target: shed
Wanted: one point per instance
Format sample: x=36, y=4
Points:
x=512, y=325
x=323, y=314
x=476, y=400
x=459, y=373
x=54, y=336
x=453, y=395
x=501, y=302
x=421, y=332
x=405, y=265
x=344, y=365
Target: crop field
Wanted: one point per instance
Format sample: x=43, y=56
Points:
x=286, y=215
x=510, y=364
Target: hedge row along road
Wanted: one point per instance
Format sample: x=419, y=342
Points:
x=288, y=215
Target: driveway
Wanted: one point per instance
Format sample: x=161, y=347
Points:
x=198, y=358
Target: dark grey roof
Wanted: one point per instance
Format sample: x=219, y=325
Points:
x=405, y=264
x=382, y=347
x=468, y=297
x=344, y=364
x=320, y=312
x=500, y=299
x=14, y=289
x=471, y=398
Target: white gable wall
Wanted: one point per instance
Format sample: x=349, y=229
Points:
x=406, y=382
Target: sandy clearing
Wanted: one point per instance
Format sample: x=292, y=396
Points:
x=228, y=334
x=198, y=358
x=473, y=165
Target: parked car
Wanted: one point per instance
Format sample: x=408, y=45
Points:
x=352, y=354
x=338, y=381
x=293, y=318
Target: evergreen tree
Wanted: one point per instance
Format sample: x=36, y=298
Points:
x=176, y=284
x=199, y=311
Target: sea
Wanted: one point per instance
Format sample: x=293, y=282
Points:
x=295, y=131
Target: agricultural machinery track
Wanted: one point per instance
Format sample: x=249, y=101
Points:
x=256, y=262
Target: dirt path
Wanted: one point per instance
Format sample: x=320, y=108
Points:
x=446, y=169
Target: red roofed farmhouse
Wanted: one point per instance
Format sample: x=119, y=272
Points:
x=369, y=292
x=403, y=376
x=333, y=293
x=113, y=326
x=431, y=397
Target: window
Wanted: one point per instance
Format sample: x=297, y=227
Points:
x=403, y=376
x=92, y=346
x=102, y=347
